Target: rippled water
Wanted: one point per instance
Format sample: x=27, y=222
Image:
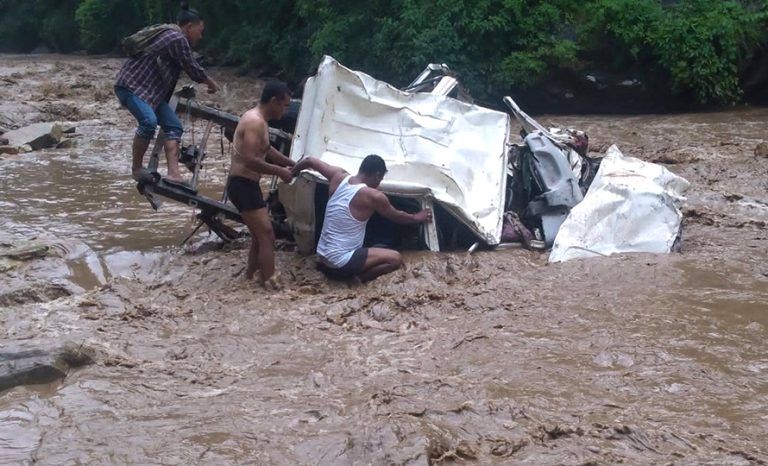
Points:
x=84, y=193
x=494, y=358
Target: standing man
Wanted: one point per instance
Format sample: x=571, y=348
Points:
x=252, y=157
x=352, y=202
x=146, y=82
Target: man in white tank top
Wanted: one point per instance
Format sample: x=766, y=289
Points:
x=352, y=201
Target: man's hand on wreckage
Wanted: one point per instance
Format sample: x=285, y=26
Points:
x=285, y=175
x=424, y=216
x=302, y=164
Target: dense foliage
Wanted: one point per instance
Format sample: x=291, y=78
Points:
x=694, y=48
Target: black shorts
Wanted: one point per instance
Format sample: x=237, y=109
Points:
x=348, y=270
x=245, y=194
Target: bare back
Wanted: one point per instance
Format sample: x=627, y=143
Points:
x=251, y=140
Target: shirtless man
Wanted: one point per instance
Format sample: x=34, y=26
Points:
x=253, y=157
x=352, y=201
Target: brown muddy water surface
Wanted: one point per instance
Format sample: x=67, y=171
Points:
x=494, y=358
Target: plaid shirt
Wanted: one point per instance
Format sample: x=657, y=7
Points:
x=153, y=74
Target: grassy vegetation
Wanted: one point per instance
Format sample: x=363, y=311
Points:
x=692, y=48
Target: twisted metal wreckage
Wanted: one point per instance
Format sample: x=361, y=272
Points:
x=444, y=152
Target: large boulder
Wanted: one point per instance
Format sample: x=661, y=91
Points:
x=761, y=150
x=37, y=136
x=26, y=250
x=13, y=150
x=67, y=144
x=34, y=366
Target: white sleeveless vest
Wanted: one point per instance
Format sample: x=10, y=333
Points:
x=342, y=233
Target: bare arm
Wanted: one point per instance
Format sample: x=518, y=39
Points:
x=277, y=157
x=181, y=52
x=383, y=207
x=254, y=138
x=330, y=172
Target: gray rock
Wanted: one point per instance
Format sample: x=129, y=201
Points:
x=25, y=148
x=14, y=253
x=32, y=366
x=26, y=250
x=338, y=312
x=67, y=144
x=20, y=294
x=761, y=150
x=381, y=312
x=9, y=150
x=37, y=136
x=3, y=141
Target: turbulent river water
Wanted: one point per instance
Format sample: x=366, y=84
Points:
x=493, y=358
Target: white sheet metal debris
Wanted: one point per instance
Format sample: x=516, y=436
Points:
x=435, y=146
x=442, y=150
x=631, y=206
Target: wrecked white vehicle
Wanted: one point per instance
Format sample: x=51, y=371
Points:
x=440, y=153
x=444, y=153
x=485, y=185
x=631, y=206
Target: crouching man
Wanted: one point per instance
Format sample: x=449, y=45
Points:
x=352, y=201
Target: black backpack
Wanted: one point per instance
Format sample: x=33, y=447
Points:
x=137, y=42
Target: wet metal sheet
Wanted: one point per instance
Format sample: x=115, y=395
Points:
x=454, y=151
x=632, y=206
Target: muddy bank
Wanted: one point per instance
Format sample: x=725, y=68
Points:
x=493, y=358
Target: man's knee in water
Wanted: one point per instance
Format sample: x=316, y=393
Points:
x=391, y=258
x=266, y=236
x=261, y=227
x=396, y=260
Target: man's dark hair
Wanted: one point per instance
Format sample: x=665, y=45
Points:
x=274, y=88
x=372, y=165
x=187, y=15
x=298, y=91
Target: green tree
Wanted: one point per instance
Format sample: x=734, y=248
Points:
x=103, y=23
x=493, y=44
x=702, y=43
x=256, y=34
x=58, y=29
x=692, y=47
x=18, y=26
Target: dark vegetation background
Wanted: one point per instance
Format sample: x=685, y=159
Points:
x=551, y=55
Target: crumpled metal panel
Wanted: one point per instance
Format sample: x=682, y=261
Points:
x=632, y=206
x=453, y=150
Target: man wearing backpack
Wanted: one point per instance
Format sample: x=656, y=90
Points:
x=147, y=79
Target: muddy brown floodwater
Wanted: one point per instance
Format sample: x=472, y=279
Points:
x=494, y=358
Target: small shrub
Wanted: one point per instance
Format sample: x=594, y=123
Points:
x=56, y=89
x=701, y=43
x=103, y=23
x=18, y=27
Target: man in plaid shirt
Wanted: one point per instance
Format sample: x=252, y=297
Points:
x=146, y=82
